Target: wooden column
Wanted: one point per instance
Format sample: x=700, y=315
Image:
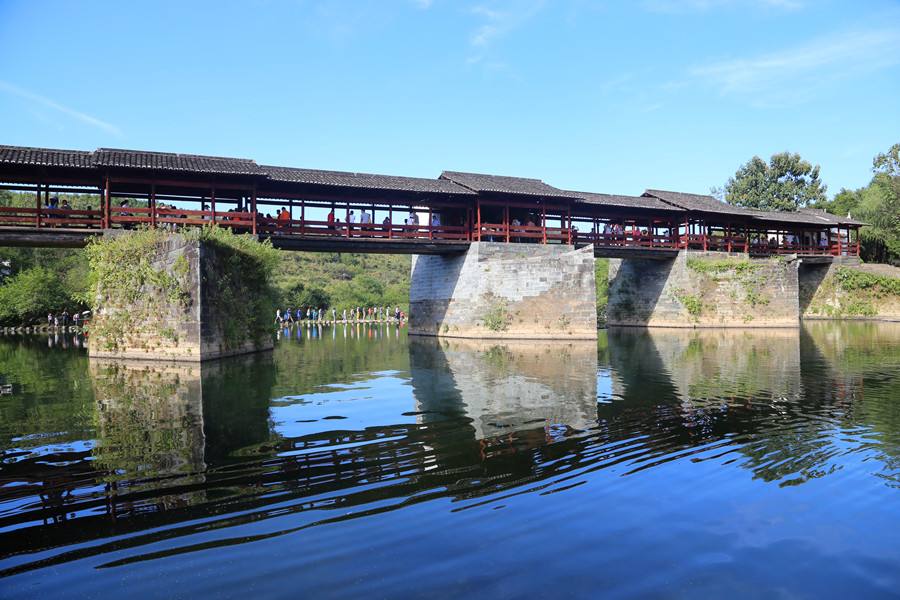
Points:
x=390, y=230
x=302, y=216
x=254, y=216
x=37, y=205
x=153, y=205
x=543, y=224
x=478, y=222
x=568, y=225
x=212, y=202
x=506, y=220
x=347, y=220
x=107, y=221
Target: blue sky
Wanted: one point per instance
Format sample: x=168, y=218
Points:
x=588, y=95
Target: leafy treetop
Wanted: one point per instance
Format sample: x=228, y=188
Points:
x=786, y=182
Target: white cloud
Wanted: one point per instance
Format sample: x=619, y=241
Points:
x=799, y=73
x=52, y=104
x=682, y=6
x=498, y=19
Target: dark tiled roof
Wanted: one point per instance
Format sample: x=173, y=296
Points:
x=786, y=216
x=46, y=157
x=364, y=180
x=833, y=219
x=168, y=161
x=698, y=203
x=645, y=202
x=478, y=182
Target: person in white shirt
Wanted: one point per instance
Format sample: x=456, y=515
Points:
x=352, y=217
x=365, y=217
x=413, y=218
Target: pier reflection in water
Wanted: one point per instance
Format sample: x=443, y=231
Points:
x=360, y=445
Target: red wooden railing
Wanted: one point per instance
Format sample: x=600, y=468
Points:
x=243, y=221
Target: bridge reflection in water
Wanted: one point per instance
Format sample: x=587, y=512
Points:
x=188, y=458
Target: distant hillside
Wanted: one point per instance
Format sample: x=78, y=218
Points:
x=343, y=280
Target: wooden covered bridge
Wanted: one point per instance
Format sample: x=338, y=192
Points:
x=307, y=209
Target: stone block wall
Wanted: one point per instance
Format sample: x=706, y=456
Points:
x=704, y=289
x=174, y=316
x=505, y=291
x=823, y=297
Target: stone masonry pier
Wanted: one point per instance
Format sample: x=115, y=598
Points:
x=704, y=289
x=186, y=300
x=512, y=291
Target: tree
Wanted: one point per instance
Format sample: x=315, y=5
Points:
x=886, y=167
x=786, y=182
x=28, y=296
x=877, y=205
x=846, y=202
x=300, y=295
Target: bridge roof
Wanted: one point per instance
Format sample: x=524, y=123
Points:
x=346, y=179
x=170, y=161
x=698, y=203
x=617, y=200
x=501, y=184
x=834, y=219
x=46, y=157
x=792, y=217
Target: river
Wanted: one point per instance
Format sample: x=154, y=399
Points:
x=357, y=461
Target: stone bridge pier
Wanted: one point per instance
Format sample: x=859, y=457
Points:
x=704, y=289
x=511, y=291
x=168, y=296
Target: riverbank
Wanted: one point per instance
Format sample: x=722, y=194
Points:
x=851, y=292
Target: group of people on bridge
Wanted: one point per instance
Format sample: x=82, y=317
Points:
x=359, y=314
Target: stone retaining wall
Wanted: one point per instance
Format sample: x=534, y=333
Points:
x=822, y=297
x=704, y=289
x=505, y=291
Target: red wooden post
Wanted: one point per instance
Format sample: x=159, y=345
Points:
x=390, y=221
x=153, y=206
x=506, y=220
x=478, y=225
x=347, y=220
x=107, y=221
x=302, y=217
x=430, y=221
x=212, y=202
x=568, y=225
x=37, y=205
x=543, y=224
x=253, y=208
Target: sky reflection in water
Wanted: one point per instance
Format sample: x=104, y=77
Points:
x=668, y=463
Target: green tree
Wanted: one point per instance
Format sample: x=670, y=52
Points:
x=300, y=295
x=786, y=182
x=877, y=205
x=886, y=167
x=29, y=295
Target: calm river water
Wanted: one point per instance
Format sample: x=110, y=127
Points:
x=355, y=461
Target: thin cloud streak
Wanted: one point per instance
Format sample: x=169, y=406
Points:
x=498, y=20
x=685, y=6
x=797, y=73
x=71, y=112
